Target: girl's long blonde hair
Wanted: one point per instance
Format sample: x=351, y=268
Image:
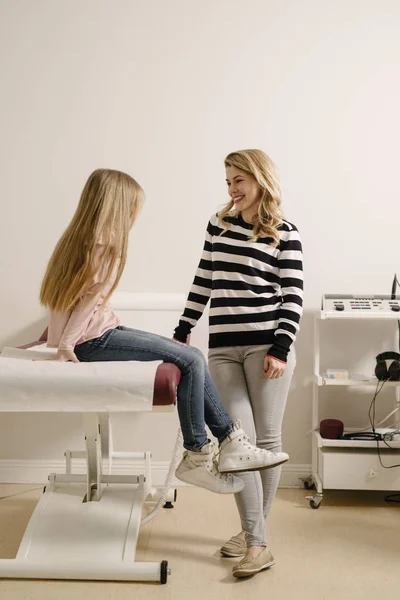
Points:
x=269, y=214
x=110, y=203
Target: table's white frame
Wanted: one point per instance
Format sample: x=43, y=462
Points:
x=101, y=496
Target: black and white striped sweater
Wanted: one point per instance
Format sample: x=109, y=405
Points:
x=256, y=289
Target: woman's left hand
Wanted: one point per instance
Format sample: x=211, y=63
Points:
x=273, y=369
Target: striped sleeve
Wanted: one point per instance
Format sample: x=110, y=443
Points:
x=290, y=264
x=200, y=290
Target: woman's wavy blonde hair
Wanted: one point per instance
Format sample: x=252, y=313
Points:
x=269, y=214
x=109, y=205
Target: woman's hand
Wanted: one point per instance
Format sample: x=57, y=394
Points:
x=273, y=368
x=180, y=341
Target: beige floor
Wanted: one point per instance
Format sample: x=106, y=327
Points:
x=348, y=548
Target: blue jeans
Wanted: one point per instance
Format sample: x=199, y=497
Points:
x=198, y=400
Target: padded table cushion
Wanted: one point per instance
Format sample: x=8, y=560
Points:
x=40, y=385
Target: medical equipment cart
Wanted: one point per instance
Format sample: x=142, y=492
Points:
x=344, y=463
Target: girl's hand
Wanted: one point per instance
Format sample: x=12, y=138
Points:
x=273, y=368
x=64, y=356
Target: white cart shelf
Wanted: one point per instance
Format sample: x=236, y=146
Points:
x=348, y=464
x=320, y=380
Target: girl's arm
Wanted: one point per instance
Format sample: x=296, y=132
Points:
x=81, y=315
x=80, y=318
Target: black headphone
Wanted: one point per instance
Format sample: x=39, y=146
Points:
x=388, y=366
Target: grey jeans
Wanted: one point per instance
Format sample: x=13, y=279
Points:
x=259, y=403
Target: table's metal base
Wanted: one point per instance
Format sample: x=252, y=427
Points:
x=87, y=526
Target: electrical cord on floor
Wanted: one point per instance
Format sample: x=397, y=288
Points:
x=168, y=479
x=20, y=493
x=393, y=498
x=165, y=489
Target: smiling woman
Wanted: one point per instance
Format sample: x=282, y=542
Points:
x=251, y=268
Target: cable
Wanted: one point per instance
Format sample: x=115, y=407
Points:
x=165, y=489
x=168, y=479
x=398, y=326
x=394, y=498
x=372, y=409
x=368, y=427
x=395, y=283
x=380, y=422
x=20, y=493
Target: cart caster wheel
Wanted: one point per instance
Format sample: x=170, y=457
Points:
x=44, y=489
x=314, y=504
x=307, y=486
x=164, y=571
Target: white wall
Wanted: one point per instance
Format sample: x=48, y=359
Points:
x=164, y=90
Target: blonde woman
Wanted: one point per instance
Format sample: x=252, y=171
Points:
x=251, y=268
x=83, y=271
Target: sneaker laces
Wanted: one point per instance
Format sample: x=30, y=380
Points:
x=244, y=438
x=212, y=467
x=245, y=441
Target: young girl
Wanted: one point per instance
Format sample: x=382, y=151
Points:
x=251, y=267
x=83, y=271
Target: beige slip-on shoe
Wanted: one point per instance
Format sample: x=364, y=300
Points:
x=252, y=565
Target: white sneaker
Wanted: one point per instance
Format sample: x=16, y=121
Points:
x=238, y=455
x=198, y=468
